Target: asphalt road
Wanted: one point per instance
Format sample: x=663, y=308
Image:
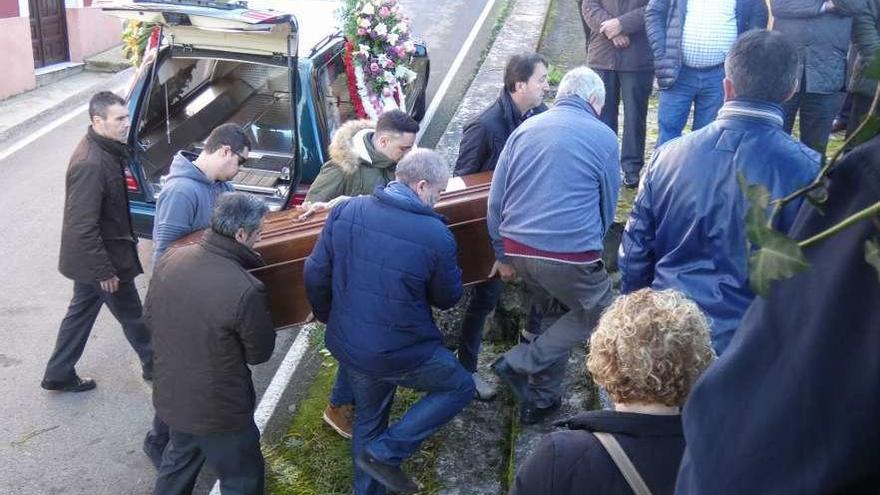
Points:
x=89, y=443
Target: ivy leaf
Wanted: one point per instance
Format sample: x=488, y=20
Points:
x=873, y=70
x=779, y=258
x=871, y=129
x=756, y=215
x=872, y=254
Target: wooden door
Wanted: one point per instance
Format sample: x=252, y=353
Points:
x=48, y=31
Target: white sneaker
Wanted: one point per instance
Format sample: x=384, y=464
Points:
x=484, y=389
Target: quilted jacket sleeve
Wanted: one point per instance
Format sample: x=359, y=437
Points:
x=656, y=14
x=319, y=270
x=445, y=288
x=637, y=248
x=793, y=9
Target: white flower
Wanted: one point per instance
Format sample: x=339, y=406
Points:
x=388, y=76
x=382, y=59
x=405, y=74
x=381, y=29
x=368, y=9
x=409, y=46
x=401, y=27
x=392, y=38
x=364, y=22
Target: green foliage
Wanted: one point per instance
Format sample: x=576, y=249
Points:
x=872, y=253
x=554, y=75
x=312, y=459
x=134, y=40
x=774, y=256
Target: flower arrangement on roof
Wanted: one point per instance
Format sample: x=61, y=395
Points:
x=378, y=54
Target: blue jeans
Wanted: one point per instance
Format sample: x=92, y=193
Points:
x=701, y=88
x=449, y=389
x=341, y=394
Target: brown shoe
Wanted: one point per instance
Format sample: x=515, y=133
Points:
x=340, y=418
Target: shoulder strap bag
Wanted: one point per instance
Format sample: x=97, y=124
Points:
x=627, y=468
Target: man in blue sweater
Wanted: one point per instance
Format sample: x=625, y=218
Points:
x=551, y=201
x=186, y=202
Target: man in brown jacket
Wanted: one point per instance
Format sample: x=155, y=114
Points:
x=210, y=319
x=619, y=52
x=98, y=247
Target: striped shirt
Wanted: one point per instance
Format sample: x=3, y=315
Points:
x=709, y=32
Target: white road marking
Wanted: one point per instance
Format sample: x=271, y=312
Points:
x=453, y=69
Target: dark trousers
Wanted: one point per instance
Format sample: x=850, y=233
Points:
x=235, y=457
x=483, y=301
x=125, y=304
x=449, y=388
x=634, y=89
x=573, y=297
x=817, y=113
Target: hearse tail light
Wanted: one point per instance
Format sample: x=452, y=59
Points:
x=131, y=184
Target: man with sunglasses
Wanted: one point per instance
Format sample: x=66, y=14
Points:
x=185, y=205
x=194, y=182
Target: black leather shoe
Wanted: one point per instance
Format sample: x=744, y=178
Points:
x=392, y=477
x=147, y=374
x=530, y=414
x=517, y=382
x=76, y=385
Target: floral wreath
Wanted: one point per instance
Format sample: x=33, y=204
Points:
x=378, y=53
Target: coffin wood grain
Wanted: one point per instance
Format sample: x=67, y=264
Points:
x=286, y=243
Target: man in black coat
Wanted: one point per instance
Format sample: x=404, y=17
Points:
x=209, y=320
x=525, y=82
x=98, y=247
x=792, y=405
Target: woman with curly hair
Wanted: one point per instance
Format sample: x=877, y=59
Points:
x=647, y=351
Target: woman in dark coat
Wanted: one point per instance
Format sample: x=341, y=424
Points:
x=648, y=349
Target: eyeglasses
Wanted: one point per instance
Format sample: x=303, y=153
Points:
x=241, y=159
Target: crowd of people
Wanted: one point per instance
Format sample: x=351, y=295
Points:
x=762, y=382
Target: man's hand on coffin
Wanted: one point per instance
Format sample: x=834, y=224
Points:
x=505, y=271
x=318, y=206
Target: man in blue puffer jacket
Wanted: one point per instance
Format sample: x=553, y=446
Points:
x=687, y=228
x=380, y=264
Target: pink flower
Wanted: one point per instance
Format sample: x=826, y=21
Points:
x=384, y=12
x=361, y=31
x=387, y=91
x=374, y=67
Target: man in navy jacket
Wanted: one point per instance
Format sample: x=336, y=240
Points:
x=380, y=264
x=687, y=228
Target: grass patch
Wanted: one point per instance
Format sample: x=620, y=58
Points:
x=312, y=459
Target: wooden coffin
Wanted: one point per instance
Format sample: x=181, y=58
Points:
x=286, y=243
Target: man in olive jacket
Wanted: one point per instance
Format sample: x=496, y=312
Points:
x=363, y=157
x=209, y=319
x=98, y=247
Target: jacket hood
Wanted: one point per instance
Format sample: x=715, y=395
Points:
x=348, y=148
x=182, y=166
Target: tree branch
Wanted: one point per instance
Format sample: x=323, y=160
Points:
x=846, y=223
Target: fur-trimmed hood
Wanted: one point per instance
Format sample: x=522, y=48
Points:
x=348, y=149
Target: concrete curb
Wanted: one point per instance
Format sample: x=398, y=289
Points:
x=521, y=33
x=72, y=101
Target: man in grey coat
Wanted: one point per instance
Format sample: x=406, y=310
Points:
x=821, y=30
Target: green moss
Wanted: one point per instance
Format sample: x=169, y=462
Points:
x=312, y=459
